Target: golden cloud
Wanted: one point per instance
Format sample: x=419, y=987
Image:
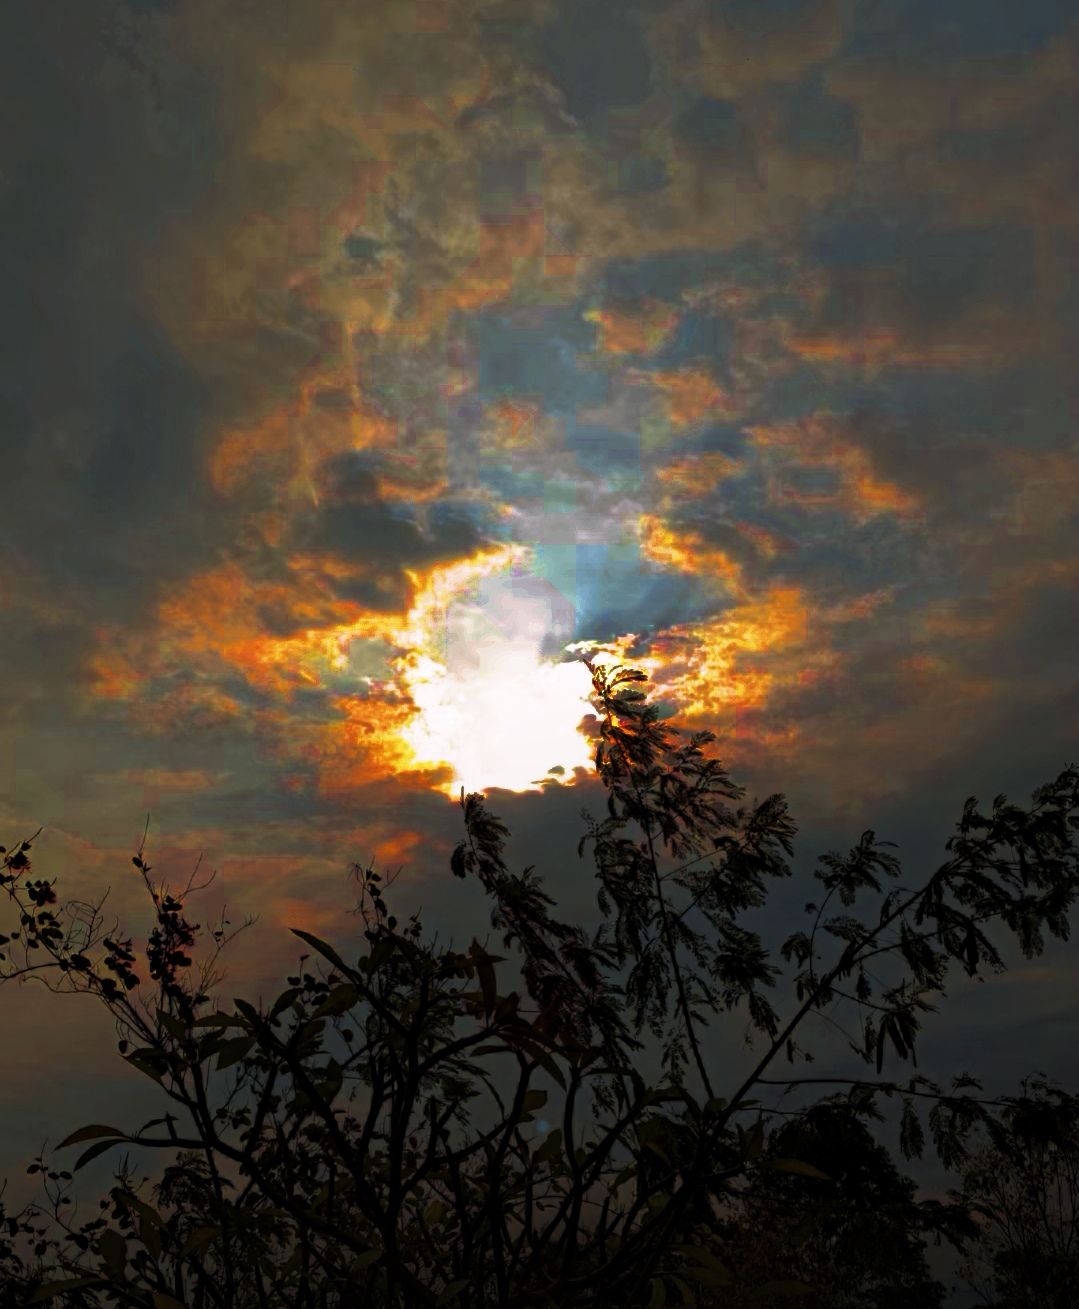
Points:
x=638, y=332
x=214, y=628
x=819, y=442
x=691, y=395
x=692, y=477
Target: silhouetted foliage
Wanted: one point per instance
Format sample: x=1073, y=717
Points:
x=372, y=1138
x=844, y=1223
x=1022, y=1182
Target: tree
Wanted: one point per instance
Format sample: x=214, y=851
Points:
x=372, y=1136
x=847, y=1226
x=1023, y=1184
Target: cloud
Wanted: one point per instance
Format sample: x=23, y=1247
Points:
x=840, y=474
x=182, y=780
x=101, y=421
x=458, y=285
x=637, y=329
x=596, y=54
x=911, y=291
x=352, y=354
x=905, y=103
x=730, y=49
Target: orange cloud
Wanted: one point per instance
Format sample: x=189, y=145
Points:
x=515, y=423
x=689, y=395
x=768, y=543
x=634, y=333
x=708, y=667
x=730, y=673
x=724, y=673
x=502, y=240
x=687, y=551
x=398, y=848
x=990, y=338
x=693, y=476
x=866, y=350
x=366, y=745
x=291, y=440
x=818, y=441
x=214, y=627
x=320, y=920
x=214, y=623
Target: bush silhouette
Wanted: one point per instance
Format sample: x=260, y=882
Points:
x=371, y=1138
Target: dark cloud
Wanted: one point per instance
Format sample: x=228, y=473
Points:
x=364, y=250
x=942, y=435
x=506, y=176
x=814, y=123
x=661, y=277
x=718, y=438
x=350, y=478
x=595, y=53
x=714, y=128
x=760, y=16
x=354, y=524
x=146, y=400
x=101, y=423
x=699, y=336
x=941, y=32
x=42, y=657
x=907, y=271
x=637, y=176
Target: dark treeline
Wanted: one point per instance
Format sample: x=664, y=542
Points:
x=399, y=1129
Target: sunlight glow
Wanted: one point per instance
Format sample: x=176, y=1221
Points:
x=505, y=724
x=491, y=702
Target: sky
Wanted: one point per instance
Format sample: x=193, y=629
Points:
x=363, y=365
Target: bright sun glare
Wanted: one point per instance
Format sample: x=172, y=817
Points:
x=492, y=702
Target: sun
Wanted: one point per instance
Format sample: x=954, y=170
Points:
x=511, y=723
x=493, y=699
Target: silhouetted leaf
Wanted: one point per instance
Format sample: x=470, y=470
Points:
x=140, y=1207
x=199, y=1239
x=327, y=951
x=339, y=1001
x=52, y=1289
x=88, y=1134
x=795, y=1166
x=231, y=1052
x=175, y=1027
x=113, y=1249
x=93, y=1153
x=217, y=1020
